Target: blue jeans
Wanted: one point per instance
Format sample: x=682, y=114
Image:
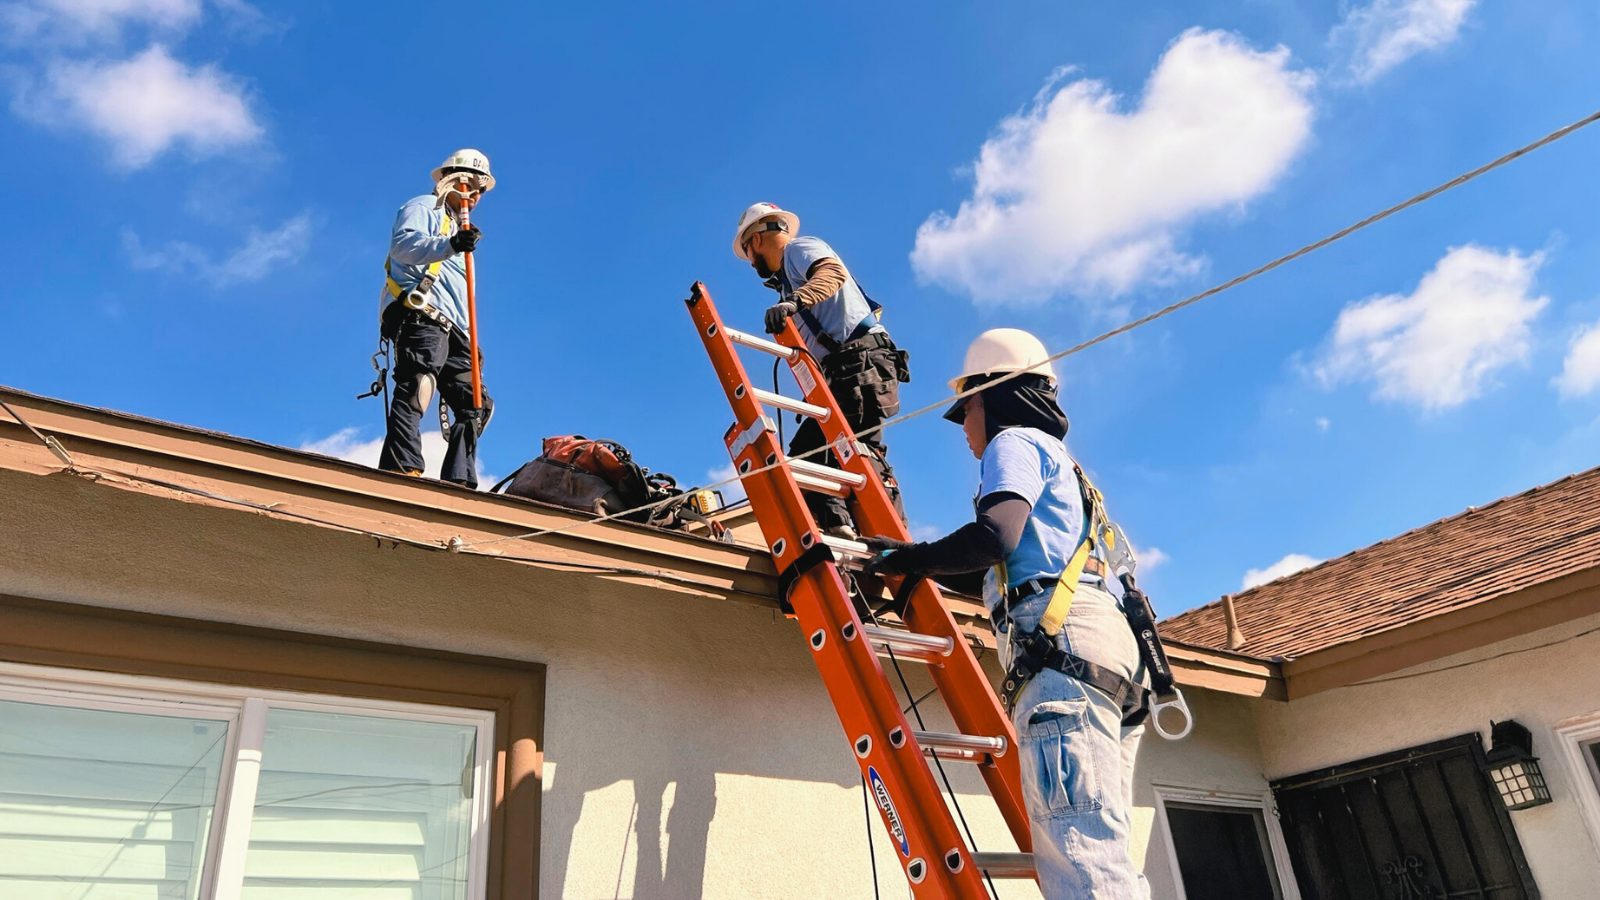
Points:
x=1077, y=759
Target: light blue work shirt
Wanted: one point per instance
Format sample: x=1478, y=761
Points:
x=1036, y=467
x=422, y=236
x=840, y=314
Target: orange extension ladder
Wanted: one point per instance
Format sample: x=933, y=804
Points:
x=936, y=860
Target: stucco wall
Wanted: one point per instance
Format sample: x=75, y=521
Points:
x=1220, y=757
x=1538, y=687
x=691, y=750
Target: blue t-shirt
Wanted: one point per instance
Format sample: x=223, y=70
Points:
x=421, y=236
x=838, y=315
x=1036, y=467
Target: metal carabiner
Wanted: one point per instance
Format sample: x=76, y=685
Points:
x=1181, y=704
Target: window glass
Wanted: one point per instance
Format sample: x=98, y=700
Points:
x=361, y=808
x=103, y=805
x=1222, y=852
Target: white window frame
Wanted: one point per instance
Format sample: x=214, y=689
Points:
x=1570, y=737
x=1176, y=793
x=245, y=710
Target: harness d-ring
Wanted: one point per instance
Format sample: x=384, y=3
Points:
x=1157, y=706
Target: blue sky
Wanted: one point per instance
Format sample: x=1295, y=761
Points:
x=202, y=193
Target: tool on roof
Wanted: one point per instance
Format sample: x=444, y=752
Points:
x=816, y=585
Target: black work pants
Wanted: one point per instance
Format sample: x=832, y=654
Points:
x=429, y=359
x=866, y=385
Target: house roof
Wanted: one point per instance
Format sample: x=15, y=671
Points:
x=1476, y=556
x=179, y=463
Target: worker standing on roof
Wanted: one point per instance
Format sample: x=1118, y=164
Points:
x=424, y=313
x=839, y=325
x=1036, y=525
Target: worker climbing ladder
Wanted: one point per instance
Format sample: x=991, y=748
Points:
x=891, y=754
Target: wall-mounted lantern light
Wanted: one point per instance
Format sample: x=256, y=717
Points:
x=1513, y=767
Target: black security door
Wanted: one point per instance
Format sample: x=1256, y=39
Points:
x=1421, y=824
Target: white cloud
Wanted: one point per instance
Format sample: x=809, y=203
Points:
x=1323, y=424
x=1386, y=33
x=74, y=21
x=144, y=106
x=346, y=444
x=1079, y=194
x=1437, y=347
x=1150, y=558
x=1289, y=565
x=730, y=492
x=1580, y=372
x=261, y=254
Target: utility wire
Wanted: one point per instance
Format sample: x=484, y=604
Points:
x=1342, y=233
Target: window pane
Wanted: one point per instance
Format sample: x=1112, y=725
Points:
x=1222, y=852
x=98, y=805
x=361, y=808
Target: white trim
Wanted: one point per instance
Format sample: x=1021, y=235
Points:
x=244, y=709
x=1262, y=801
x=1570, y=736
x=237, y=807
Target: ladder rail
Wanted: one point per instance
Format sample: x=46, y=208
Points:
x=931, y=850
x=972, y=702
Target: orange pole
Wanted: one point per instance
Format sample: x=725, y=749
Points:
x=472, y=313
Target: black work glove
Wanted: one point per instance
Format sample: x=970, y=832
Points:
x=900, y=560
x=465, y=240
x=778, y=314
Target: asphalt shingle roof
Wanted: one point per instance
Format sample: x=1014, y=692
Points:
x=1468, y=558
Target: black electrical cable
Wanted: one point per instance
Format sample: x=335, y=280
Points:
x=872, y=853
x=775, y=390
x=955, y=802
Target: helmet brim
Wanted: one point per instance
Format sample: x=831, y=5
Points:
x=485, y=180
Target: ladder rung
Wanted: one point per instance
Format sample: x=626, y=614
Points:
x=909, y=642
x=1005, y=865
x=971, y=756
x=758, y=343
x=821, y=471
x=820, y=485
x=800, y=406
x=938, y=740
x=846, y=547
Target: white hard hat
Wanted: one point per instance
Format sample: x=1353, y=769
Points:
x=1002, y=350
x=756, y=213
x=471, y=161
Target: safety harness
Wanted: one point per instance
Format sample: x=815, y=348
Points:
x=1040, y=649
x=418, y=296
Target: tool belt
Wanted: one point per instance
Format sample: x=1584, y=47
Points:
x=1038, y=651
x=1041, y=649
x=395, y=313
x=864, y=377
x=1034, y=586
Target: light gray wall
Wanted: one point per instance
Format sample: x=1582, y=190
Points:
x=1519, y=679
x=691, y=749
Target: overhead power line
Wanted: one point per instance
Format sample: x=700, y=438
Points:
x=1342, y=233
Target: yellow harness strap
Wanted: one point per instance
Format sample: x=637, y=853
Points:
x=395, y=290
x=1055, y=615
